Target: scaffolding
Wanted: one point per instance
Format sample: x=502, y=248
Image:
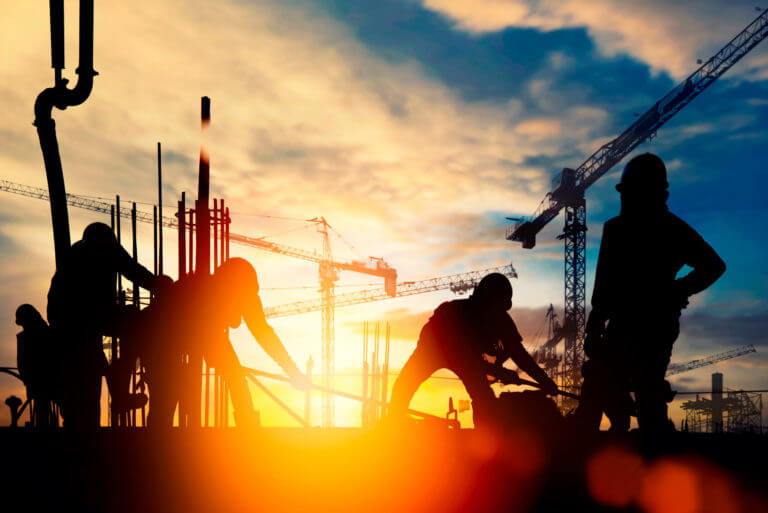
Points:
x=736, y=411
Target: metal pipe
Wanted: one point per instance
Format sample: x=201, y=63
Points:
x=61, y=97
x=340, y=393
x=298, y=418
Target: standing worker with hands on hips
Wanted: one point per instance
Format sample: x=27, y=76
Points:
x=637, y=301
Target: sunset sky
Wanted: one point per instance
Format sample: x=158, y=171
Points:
x=415, y=127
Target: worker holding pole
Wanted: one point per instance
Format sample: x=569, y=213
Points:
x=459, y=336
x=196, y=313
x=637, y=301
x=82, y=308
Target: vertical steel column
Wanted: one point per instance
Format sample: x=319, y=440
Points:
x=364, y=404
x=154, y=240
x=215, y=224
x=181, y=215
x=229, y=220
x=385, y=374
x=375, y=381
x=192, y=227
x=308, y=395
x=160, y=210
x=207, y=393
x=115, y=416
x=136, y=302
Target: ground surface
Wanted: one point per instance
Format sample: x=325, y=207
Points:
x=416, y=469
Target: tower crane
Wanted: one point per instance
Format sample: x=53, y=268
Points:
x=328, y=268
x=456, y=283
x=568, y=188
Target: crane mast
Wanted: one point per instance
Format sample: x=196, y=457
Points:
x=569, y=187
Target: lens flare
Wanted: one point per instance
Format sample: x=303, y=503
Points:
x=614, y=476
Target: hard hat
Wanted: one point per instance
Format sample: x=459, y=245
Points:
x=238, y=274
x=26, y=315
x=494, y=288
x=645, y=172
x=99, y=234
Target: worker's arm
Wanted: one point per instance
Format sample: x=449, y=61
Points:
x=595, y=329
x=601, y=293
x=706, y=263
x=134, y=271
x=268, y=339
x=513, y=348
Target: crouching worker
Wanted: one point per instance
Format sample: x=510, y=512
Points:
x=457, y=337
x=36, y=364
x=194, y=315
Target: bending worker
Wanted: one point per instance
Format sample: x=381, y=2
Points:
x=458, y=337
x=637, y=301
x=194, y=315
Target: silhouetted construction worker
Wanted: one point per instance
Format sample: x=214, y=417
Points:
x=195, y=314
x=637, y=300
x=457, y=337
x=82, y=308
x=36, y=363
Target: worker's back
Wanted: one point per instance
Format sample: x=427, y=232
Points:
x=85, y=282
x=640, y=258
x=461, y=325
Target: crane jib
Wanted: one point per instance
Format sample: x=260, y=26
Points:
x=646, y=126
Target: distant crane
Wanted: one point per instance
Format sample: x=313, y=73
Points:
x=328, y=268
x=456, y=283
x=569, y=187
x=679, y=368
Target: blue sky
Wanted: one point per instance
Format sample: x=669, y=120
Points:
x=415, y=127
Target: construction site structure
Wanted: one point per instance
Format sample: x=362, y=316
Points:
x=327, y=267
x=547, y=357
x=375, y=377
x=734, y=411
x=568, y=189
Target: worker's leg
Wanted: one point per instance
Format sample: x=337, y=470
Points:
x=478, y=387
x=125, y=323
x=593, y=400
x=619, y=409
x=81, y=398
x=224, y=359
x=164, y=390
x=652, y=392
x=419, y=367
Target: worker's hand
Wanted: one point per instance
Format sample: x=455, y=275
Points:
x=300, y=381
x=549, y=387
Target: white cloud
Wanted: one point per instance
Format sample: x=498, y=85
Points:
x=669, y=36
